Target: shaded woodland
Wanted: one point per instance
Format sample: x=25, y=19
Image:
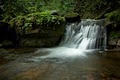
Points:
x=42, y=17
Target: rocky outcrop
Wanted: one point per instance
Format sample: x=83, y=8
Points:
x=43, y=37
x=72, y=17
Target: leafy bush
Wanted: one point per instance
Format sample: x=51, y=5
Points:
x=62, y=5
x=90, y=5
x=17, y=21
x=30, y=21
x=114, y=16
x=44, y=18
x=14, y=8
x=20, y=23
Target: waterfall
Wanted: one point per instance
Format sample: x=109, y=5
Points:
x=87, y=34
x=81, y=38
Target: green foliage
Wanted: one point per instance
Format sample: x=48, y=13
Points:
x=28, y=22
x=15, y=8
x=12, y=8
x=43, y=18
x=20, y=23
x=32, y=9
x=17, y=21
x=62, y=5
x=94, y=8
x=91, y=5
x=114, y=16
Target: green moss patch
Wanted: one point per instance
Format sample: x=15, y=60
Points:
x=71, y=15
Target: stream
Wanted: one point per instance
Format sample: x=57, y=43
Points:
x=44, y=64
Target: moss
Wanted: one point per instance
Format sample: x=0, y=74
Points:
x=71, y=15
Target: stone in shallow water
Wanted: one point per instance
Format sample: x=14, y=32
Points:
x=118, y=43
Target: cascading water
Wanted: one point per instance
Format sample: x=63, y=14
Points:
x=87, y=34
x=80, y=38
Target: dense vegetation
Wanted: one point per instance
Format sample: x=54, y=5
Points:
x=97, y=7
x=15, y=8
x=85, y=8
x=34, y=20
x=27, y=14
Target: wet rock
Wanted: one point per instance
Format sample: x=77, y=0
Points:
x=118, y=43
x=0, y=45
x=114, y=42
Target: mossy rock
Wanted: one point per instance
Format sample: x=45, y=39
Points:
x=72, y=17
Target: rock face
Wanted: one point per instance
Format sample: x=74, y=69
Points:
x=43, y=37
x=7, y=33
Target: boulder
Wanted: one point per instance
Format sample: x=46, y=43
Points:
x=118, y=43
x=113, y=42
x=72, y=17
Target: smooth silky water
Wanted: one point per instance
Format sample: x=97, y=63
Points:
x=85, y=37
